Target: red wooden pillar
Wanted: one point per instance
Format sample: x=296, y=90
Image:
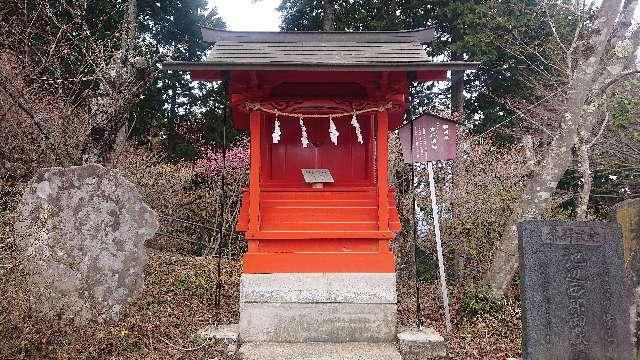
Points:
x=254, y=174
x=382, y=170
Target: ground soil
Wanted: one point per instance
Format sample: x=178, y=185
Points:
x=178, y=300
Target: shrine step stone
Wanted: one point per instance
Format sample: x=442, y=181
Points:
x=319, y=351
x=318, y=307
x=424, y=343
x=365, y=288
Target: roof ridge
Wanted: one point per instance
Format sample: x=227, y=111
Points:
x=421, y=36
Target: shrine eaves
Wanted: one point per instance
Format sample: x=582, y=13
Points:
x=372, y=65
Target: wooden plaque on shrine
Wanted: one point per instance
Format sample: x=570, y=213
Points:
x=434, y=138
x=317, y=177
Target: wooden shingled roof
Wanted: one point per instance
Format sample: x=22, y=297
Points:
x=314, y=52
x=367, y=50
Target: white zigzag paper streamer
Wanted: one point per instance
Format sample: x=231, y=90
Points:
x=303, y=129
x=355, y=124
x=333, y=132
x=276, y=132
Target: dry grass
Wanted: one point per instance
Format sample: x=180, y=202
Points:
x=495, y=334
x=178, y=300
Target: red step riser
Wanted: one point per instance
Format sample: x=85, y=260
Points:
x=318, y=203
x=324, y=245
x=317, y=226
x=267, y=263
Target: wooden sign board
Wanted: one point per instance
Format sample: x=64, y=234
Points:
x=434, y=138
x=317, y=177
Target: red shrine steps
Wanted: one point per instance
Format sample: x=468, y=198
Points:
x=306, y=230
x=318, y=270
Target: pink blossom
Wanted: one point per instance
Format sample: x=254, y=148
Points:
x=236, y=163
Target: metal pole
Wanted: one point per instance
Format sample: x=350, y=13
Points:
x=218, y=289
x=436, y=226
x=413, y=234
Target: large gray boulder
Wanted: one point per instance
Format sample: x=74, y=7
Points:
x=82, y=230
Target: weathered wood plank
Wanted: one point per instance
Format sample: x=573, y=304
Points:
x=235, y=52
x=372, y=66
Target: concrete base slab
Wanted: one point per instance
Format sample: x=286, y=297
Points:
x=418, y=344
x=319, y=351
x=228, y=333
x=364, y=288
x=321, y=307
x=323, y=322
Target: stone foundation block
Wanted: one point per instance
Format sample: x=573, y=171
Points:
x=228, y=333
x=317, y=322
x=320, y=351
x=361, y=288
x=421, y=344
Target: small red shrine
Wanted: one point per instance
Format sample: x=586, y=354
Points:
x=317, y=100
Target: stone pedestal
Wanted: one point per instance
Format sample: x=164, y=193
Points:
x=323, y=316
x=416, y=344
x=318, y=307
x=320, y=351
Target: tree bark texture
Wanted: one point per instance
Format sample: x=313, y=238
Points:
x=120, y=88
x=575, y=117
x=121, y=81
x=457, y=78
x=329, y=14
x=587, y=180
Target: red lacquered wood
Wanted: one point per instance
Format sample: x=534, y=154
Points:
x=312, y=211
x=243, y=214
x=319, y=214
x=431, y=75
x=382, y=170
x=319, y=226
x=254, y=173
x=331, y=262
x=253, y=246
x=323, y=245
x=205, y=75
x=345, y=226
x=348, y=161
x=315, y=234
x=383, y=245
x=322, y=86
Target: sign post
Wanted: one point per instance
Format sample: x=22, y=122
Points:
x=429, y=138
x=436, y=227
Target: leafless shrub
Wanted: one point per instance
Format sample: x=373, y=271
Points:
x=188, y=201
x=38, y=129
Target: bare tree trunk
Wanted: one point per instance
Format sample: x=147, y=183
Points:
x=457, y=93
x=171, y=125
x=129, y=36
x=328, y=17
x=559, y=156
x=121, y=82
x=533, y=200
x=587, y=180
x=457, y=79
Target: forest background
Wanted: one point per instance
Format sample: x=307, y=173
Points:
x=549, y=129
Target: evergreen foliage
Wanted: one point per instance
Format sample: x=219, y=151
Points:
x=170, y=30
x=465, y=30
